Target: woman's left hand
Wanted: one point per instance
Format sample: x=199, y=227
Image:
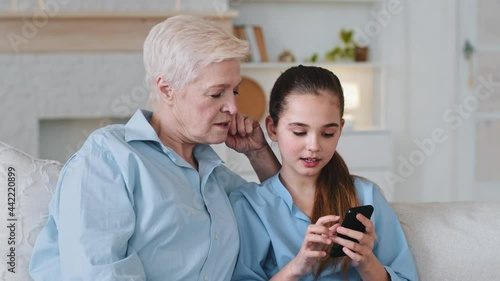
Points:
x=245, y=134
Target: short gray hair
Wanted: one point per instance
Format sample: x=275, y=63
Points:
x=179, y=46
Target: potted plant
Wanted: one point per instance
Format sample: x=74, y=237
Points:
x=360, y=53
x=349, y=50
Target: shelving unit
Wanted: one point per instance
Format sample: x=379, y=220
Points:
x=285, y=65
x=4, y=15
x=93, y=31
x=366, y=144
x=312, y=1
x=363, y=76
x=311, y=27
x=366, y=76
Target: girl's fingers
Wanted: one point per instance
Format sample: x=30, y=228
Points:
x=366, y=222
x=353, y=255
x=327, y=219
x=350, y=233
x=315, y=254
x=364, y=247
x=314, y=229
x=313, y=238
x=334, y=227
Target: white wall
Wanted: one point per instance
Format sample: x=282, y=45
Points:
x=38, y=87
x=116, y=5
x=418, y=45
x=430, y=45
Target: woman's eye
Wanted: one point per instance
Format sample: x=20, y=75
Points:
x=235, y=92
x=328, y=135
x=299, y=133
x=216, y=96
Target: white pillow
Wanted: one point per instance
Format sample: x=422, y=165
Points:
x=453, y=240
x=35, y=182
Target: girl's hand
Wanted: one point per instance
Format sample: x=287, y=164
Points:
x=360, y=253
x=317, y=237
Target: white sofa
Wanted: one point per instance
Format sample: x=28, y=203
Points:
x=450, y=241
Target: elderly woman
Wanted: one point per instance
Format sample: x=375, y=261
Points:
x=148, y=200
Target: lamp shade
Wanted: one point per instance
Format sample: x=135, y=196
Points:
x=351, y=96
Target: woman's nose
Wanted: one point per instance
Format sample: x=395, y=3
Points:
x=230, y=105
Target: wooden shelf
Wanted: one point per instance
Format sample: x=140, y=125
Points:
x=46, y=31
x=285, y=65
x=312, y=1
x=5, y=15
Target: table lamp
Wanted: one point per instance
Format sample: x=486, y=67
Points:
x=352, y=103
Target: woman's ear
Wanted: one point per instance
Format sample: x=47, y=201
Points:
x=271, y=128
x=165, y=90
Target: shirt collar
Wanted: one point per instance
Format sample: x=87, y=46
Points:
x=282, y=192
x=139, y=128
x=207, y=153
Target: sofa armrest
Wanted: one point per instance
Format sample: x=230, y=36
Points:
x=32, y=185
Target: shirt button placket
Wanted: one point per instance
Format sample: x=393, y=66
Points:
x=205, y=278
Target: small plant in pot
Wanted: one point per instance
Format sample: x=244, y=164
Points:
x=349, y=50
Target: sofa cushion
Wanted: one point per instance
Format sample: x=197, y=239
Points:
x=453, y=241
x=450, y=241
x=35, y=182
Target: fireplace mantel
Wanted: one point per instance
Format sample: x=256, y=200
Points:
x=49, y=31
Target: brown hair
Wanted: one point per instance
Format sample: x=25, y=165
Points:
x=335, y=192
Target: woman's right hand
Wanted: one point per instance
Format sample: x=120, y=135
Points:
x=317, y=237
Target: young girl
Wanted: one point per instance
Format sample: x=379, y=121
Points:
x=288, y=223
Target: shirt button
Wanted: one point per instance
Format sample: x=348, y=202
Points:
x=205, y=277
x=216, y=236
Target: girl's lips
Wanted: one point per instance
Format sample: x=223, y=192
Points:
x=310, y=162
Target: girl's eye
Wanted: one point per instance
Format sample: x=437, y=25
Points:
x=235, y=92
x=328, y=135
x=216, y=96
x=299, y=133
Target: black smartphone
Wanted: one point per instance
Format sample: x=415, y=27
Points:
x=350, y=221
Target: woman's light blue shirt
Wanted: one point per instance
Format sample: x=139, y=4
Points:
x=272, y=230
x=129, y=208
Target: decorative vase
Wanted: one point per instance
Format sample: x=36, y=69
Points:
x=361, y=54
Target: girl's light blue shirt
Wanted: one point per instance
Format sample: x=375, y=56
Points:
x=272, y=230
x=129, y=208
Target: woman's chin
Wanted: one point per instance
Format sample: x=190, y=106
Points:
x=216, y=139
